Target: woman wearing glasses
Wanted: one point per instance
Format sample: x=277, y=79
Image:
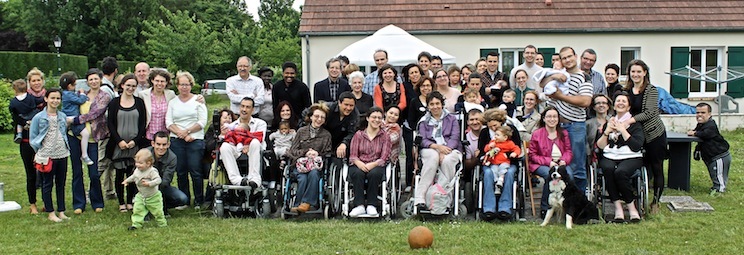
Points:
x=441, y=78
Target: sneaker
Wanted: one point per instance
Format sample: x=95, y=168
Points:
x=181, y=207
x=18, y=138
x=87, y=160
x=132, y=228
x=359, y=210
x=372, y=211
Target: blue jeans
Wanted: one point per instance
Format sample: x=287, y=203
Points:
x=577, y=135
x=78, y=183
x=188, y=161
x=489, y=182
x=57, y=177
x=308, y=187
x=544, y=172
x=173, y=197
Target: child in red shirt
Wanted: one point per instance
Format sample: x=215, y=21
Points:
x=498, y=151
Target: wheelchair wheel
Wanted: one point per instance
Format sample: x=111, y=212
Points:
x=263, y=207
x=218, y=209
x=642, y=187
x=406, y=209
x=327, y=212
x=462, y=212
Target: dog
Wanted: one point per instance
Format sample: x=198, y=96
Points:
x=566, y=198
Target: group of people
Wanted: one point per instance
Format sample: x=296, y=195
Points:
x=131, y=124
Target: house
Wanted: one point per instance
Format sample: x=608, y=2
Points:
x=666, y=34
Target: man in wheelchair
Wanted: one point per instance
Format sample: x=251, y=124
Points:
x=229, y=153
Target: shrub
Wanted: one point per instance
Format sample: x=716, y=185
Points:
x=6, y=93
x=15, y=65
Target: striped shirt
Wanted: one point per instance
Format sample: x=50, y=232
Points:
x=366, y=150
x=576, y=86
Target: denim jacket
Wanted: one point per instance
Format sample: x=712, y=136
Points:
x=40, y=125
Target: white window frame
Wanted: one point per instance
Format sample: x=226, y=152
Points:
x=703, y=50
x=517, y=55
x=636, y=55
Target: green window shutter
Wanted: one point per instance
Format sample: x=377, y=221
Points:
x=679, y=85
x=735, y=59
x=547, y=53
x=484, y=52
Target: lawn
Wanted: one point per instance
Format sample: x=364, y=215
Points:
x=190, y=232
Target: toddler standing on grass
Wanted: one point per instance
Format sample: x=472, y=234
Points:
x=71, y=101
x=148, y=199
x=23, y=107
x=498, y=151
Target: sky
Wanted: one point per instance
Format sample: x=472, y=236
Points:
x=254, y=4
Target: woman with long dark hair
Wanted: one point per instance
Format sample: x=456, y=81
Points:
x=644, y=107
x=549, y=147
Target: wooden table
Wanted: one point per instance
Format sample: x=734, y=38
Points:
x=680, y=147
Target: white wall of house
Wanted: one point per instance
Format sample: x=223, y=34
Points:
x=655, y=48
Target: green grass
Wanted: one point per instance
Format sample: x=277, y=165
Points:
x=188, y=232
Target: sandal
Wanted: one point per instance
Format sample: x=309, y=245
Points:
x=130, y=207
x=123, y=208
x=33, y=210
x=618, y=220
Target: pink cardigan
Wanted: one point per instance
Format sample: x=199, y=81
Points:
x=541, y=149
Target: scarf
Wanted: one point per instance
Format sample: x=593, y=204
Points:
x=614, y=135
x=313, y=131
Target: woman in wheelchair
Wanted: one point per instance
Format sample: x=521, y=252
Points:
x=549, y=147
x=441, y=146
x=621, y=156
x=310, y=140
x=369, y=151
x=494, y=119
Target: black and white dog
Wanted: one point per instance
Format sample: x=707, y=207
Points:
x=566, y=198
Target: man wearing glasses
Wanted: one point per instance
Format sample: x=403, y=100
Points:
x=244, y=85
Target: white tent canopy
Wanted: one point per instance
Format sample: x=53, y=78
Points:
x=402, y=48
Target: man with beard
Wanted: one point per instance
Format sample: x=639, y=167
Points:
x=291, y=90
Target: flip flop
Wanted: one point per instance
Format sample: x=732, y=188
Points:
x=123, y=208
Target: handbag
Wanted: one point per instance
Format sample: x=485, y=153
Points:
x=44, y=168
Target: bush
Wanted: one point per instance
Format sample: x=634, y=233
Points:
x=15, y=65
x=6, y=93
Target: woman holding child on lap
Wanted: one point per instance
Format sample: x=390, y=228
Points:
x=495, y=120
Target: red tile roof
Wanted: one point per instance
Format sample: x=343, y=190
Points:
x=329, y=17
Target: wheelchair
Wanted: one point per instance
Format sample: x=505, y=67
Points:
x=518, y=191
x=328, y=193
x=235, y=200
x=600, y=196
x=457, y=210
x=389, y=195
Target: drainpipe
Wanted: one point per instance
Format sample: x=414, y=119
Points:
x=306, y=76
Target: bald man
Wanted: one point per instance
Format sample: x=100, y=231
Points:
x=141, y=71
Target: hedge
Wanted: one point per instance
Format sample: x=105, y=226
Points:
x=125, y=66
x=15, y=64
x=6, y=93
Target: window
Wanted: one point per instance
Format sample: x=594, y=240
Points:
x=626, y=55
x=510, y=58
x=703, y=60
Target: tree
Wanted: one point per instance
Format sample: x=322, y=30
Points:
x=277, y=35
x=180, y=42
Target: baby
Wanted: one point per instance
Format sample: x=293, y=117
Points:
x=554, y=85
x=311, y=161
x=282, y=138
x=22, y=107
x=498, y=151
x=472, y=99
x=241, y=136
x=149, y=199
x=507, y=102
x=71, y=101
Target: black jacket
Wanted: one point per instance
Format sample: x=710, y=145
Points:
x=297, y=94
x=322, y=90
x=712, y=145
